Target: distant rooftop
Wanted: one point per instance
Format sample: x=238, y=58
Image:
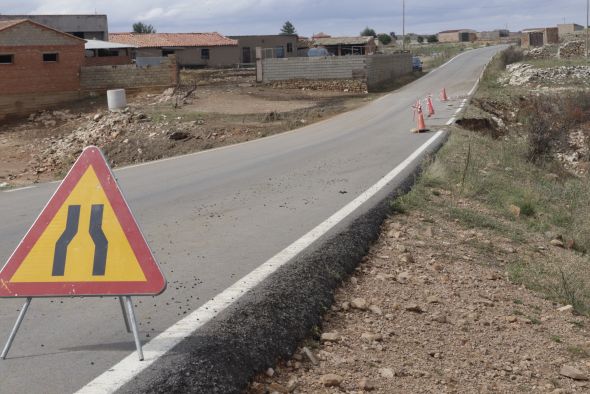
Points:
x=157, y=40
x=98, y=44
x=363, y=40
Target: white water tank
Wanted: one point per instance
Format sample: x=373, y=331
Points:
x=116, y=99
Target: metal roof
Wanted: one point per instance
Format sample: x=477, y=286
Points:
x=98, y=44
x=363, y=40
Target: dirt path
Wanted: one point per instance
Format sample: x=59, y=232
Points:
x=430, y=310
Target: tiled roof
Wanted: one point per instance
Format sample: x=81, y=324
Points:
x=157, y=40
x=7, y=24
x=363, y=40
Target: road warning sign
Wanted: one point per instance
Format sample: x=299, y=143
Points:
x=85, y=242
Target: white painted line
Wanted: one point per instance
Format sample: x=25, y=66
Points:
x=20, y=188
x=457, y=111
x=126, y=369
x=451, y=121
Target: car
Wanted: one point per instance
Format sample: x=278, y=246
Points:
x=416, y=64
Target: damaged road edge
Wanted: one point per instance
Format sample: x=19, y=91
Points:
x=268, y=322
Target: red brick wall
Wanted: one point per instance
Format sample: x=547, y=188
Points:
x=29, y=74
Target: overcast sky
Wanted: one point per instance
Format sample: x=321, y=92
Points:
x=344, y=17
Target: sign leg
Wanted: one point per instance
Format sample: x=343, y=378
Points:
x=124, y=314
x=131, y=317
x=19, y=320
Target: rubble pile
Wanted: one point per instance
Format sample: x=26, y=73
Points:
x=51, y=118
x=544, y=52
x=342, y=85
x=572, y=49
x=576, y=156
x=520, y=74
x=97, y=129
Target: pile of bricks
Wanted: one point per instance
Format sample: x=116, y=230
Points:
x=335, y=85
x=572, y=49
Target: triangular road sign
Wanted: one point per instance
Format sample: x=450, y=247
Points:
x=85, y=242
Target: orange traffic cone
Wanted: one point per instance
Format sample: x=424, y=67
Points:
x=443, y=95
x=430, y=106
x=420, y=117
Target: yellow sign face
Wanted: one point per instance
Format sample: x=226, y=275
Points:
x=85, y=242
x=121, y=263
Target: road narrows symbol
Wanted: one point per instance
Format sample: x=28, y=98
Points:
x=61, y=246
x=100, y=240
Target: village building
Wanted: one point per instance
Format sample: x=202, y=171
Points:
x=344, y=46
x=568, y=28
x=91, y=27
x=191, y=49
x=463, y=35
x=539, y=37
x=107, y=53
x=38, y=59
x=273, y=46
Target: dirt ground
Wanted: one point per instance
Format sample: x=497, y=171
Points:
x=208, y=110
x=431, y=310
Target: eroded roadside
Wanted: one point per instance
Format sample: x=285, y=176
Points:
x=478, y=282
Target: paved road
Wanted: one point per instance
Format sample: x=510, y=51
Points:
x=211, y=218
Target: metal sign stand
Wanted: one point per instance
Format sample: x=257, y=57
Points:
x=128, y=317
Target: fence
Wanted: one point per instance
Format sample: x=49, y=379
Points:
x=374, y=69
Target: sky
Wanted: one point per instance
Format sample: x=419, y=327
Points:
x=344, y=17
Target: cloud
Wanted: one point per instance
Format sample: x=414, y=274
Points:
x=338, y=18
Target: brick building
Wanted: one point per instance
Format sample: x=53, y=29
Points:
x=273, y=46
x=191, y=49
x=344, y=46
x=463, y=35
x=38, y=59
x=538, y=37
x=92, y=26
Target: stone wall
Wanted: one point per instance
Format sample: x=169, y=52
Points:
x=374, y=70
x=98, y=78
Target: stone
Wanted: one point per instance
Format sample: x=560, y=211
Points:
x=386, y=373
x=572, y=373
x=403, y=277
x=433, y=300
x=278, y=388
x=407, y=258
x=359, y=303
x=514, y=210
x=331, y=380
x=345, y=306
x=566, y=308
x=366, y=384
x=440, y=318
x=97, y=117
x=557, y=242
x=310, y=356
x=415, y=308
x=370, y=337
x=330, y=337
x=270, y=372
x=292, y=384
x=376, y=310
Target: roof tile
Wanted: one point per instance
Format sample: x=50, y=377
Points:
x=157, y=40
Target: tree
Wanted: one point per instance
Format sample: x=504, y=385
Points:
x=142, y=28
x=432, y=39
x=288, y=29
x=420, y=39
x=368, y=32
x=384, y=38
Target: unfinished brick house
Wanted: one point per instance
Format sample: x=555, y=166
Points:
x=191, y=49
x=37, y=63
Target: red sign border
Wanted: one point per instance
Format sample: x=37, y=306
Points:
x=155, y=281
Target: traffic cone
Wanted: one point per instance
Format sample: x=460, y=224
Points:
x=420, y=117
x=430, y=106
x=443, y=95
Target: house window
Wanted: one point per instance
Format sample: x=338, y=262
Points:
x=280, y=52
x=50, y=57
x=6, y=59
x=205, y=53
x=289, y=47
x=167, y=52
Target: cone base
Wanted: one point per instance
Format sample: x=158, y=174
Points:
x=419, y=130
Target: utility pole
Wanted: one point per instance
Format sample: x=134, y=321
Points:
x=587, y=23
x=404, y=27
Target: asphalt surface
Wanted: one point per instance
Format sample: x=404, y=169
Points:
x=210, y=219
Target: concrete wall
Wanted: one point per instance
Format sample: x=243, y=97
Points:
x=129, y=76
x=375, y=70
x=384, y=69
x=91, y=26
x=568, y=28
x=220, y=56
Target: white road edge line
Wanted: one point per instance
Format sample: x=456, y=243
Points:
x=121, y=373
x=451, y=121
x=19, y=189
